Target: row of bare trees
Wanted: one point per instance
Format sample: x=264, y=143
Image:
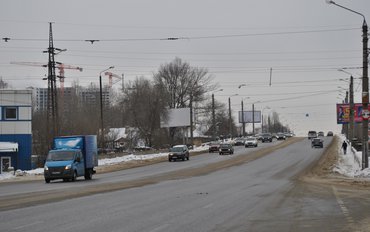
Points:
x=141, y=105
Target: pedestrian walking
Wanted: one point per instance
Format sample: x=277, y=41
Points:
x=344, y=146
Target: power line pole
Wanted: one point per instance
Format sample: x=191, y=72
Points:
x=365, y=86
x=243, y=123
x=351, y=110
x=52, y=104
x=213, y=118
x=365, y=97
x=253, y=117
x=230, y=124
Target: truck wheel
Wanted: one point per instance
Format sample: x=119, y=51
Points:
x=47, y=180
x=88, y=174
x=73, y=179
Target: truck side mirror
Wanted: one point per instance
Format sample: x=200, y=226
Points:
x=78, y=159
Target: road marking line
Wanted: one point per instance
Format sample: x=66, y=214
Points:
x=27, y=225
x=208, y=206
x=160, y=228
x=344, y=209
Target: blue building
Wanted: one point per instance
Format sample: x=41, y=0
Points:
x=15, y=129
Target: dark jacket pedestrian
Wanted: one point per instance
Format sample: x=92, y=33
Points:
x=344, y=146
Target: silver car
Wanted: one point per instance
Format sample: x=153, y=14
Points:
x=251, y=142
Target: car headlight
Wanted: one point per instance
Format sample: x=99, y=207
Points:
x=68, y=167
x=46, y=168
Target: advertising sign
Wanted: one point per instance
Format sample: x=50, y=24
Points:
x=179, y=117
x=343, y=112
x=248, y=116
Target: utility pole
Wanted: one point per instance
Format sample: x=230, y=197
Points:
x=191, y=120
x=253, y=117
x=351, y=110
x=230, y=126
x=365, y=97
x=365, y=86
x=213, y=118
x=52, y=104
x=243, y=123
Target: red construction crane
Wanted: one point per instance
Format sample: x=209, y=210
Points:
x=110, y=75
x=58, y=65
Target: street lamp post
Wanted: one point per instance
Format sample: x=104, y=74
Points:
x=266, y=108
x=351, y=107
x=242, y=116
x=253, y=115
x=230, y=121
x=365, y=87
x=101, y=107
x=214, y=115
x=243, y=123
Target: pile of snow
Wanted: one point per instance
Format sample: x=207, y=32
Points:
x=350, y=164
x=101, y=162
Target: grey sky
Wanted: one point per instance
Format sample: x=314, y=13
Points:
x=238, y=41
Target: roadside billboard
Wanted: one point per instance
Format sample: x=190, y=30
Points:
x=248, y=116
x=177, y=118
x=343, y=111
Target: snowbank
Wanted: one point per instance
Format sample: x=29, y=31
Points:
x=350, y=164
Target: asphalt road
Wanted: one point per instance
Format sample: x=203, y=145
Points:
x=261, y=195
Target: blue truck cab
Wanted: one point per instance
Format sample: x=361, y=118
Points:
x=71, y=157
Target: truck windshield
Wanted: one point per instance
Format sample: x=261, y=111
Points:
x=60, y=156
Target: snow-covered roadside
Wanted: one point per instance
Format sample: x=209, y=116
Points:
x=101, y=162
x=349, y=165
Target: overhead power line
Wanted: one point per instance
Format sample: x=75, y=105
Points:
x=7, y=39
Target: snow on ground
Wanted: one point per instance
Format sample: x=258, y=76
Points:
x=101, y=162
x=350, y=164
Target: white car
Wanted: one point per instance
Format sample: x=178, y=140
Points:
x=251, y=142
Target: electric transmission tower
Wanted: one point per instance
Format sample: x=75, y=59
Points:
x=52, y=103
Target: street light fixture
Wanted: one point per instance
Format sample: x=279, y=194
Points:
x=101, y=107
x=365, y=86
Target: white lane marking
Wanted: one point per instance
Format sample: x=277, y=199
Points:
x=160, y=228
x=27, y=225
x=343, y=208
x=208, y=206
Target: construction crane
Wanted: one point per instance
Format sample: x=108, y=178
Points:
x=110, y=76
x=59, y=66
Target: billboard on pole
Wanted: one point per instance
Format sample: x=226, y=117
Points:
x=248, y=116
x=343, y=111
x=177, y=118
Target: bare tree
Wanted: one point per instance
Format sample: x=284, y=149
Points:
x=180, y=82
x=183, y=85
x=145, y=104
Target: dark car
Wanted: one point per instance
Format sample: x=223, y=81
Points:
x=214, y=147
x=312, y=134
x=226, y=148
x=330, y=133
x=320, y=134
x=317, y=142
x=280, y=136
x=178, y=152
x=266, y=137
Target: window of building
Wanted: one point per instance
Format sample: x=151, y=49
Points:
x=10, y=113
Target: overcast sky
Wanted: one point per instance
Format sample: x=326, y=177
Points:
x=304, y=42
